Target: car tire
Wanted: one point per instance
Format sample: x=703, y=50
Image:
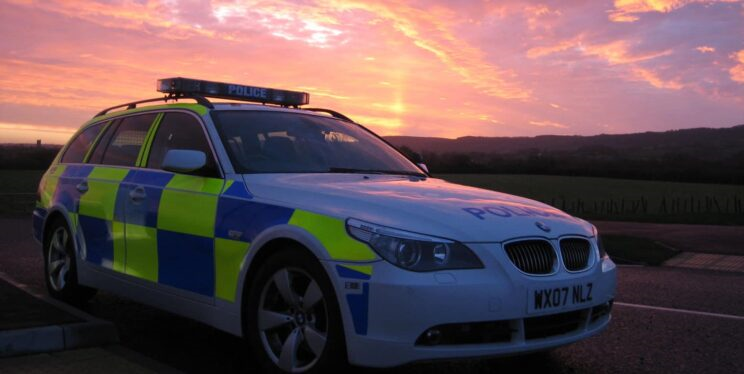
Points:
x=292, y=318
x=60, y=265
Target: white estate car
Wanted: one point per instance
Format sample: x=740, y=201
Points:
x=310, y=236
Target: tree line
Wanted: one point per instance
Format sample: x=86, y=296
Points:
x=27, y=157
x=607, y=163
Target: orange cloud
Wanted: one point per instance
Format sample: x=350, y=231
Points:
x=548, y=124
x=737, y=72
x=653, y=79
x=614, y=53
x=561, y=46
x=432, y=31
x=537, y=14
x=29, y=133
x=617, y=52
x=128, y=14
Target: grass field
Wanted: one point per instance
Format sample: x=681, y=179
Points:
x=17, y=191
x=620, y=199
x=590, y=198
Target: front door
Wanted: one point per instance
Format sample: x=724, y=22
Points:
x=171, y=216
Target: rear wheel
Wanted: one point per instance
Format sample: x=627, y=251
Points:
x=293, y=316
x=60, y=268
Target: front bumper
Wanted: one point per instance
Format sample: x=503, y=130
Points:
x=387, y=312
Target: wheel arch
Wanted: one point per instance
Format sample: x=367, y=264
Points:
x=53, y=214
x=267, y=243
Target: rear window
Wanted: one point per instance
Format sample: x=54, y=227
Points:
x=79, y=146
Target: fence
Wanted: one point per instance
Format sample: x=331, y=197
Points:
x=17, y=203
x=685, y=205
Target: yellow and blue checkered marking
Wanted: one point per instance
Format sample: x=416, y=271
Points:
x=358, y=302
x=190, y=232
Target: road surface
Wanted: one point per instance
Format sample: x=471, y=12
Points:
x=665, y=320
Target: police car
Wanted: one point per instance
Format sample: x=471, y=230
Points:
x=309, y=235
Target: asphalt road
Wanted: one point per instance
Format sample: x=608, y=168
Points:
x=722, y=240
x=638, y=340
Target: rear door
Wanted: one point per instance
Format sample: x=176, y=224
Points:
x=171, y=216
x=64, y=183
x=101, y=211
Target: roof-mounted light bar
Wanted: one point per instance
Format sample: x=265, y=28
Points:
x=185, y=86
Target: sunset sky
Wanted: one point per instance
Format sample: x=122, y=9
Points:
x=425, y=68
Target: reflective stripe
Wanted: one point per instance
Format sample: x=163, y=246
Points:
x=117, y=233
x=196, y=184
x=195, y=196
x=73, y=220
x=364, y=269
x=100, y=199
x=49, y=185
x=228, y=260
x=353, y=272
x=142, y=252
x=228, y=184
x=186, y=261
x=331, y=232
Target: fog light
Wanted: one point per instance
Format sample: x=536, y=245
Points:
x=433, y=336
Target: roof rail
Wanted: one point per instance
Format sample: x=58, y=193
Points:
x=333, y=113
x=199, y=99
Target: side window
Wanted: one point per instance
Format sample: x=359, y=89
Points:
x=124, y=145
x=79, y=146
x=181, y=131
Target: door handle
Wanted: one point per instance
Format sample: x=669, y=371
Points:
x=137, y=194
x=82, y=187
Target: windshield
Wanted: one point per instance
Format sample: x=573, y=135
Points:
x=280, y=142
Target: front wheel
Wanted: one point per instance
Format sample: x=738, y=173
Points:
x=60, y=270
x=293, y=316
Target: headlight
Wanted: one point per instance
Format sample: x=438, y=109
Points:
x=413, y=251
x=602, y=252
x=600, y=245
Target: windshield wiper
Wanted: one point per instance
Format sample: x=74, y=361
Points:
x=375, y=171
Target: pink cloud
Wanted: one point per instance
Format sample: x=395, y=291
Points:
x=630, y=10
x=705, y=49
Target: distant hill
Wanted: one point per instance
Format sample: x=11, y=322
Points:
x=692, y=155
x=706, y=142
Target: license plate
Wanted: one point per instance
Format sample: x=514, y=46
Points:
x=558, y=298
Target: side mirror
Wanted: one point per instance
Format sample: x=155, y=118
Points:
x=184, y=160
x=419, y=160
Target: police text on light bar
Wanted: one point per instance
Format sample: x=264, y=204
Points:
x=186, y=86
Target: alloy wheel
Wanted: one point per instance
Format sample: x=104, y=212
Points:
x=58, y=260
x=293, y=320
